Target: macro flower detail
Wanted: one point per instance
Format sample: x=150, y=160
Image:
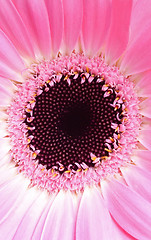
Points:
x=75, y=119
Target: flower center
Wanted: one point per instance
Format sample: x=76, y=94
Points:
x=71, y=121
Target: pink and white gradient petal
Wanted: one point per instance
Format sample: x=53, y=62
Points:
x=145, y=139
x=139, y=180
x=10, y=224
x=119, y=30
x=32, y=12
x=143, y=86
x=142, y=158
x=131, y=211
x=140, y=18
x=25, y=230
x=7, y=85
x=145, y=108
x=37, y=231
x=4, y=147
x=16, y=31
x=73, y=11
x=11, y=63
x=146, y=123
x=5, y=96
x=96, y=21
x=93, y=219
x=55, y=14
x=11, y=193
x=138, y=54
x=61, y=218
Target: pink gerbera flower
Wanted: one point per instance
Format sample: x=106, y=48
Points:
x=75, y=116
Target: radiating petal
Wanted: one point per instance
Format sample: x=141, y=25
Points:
x=30, y=218
x=96, y=20
x=73, y=10
x=7, y=85
x=55, y=14
x=119, y=30
x=142, y=158
x=9, y=226
x=4, y=147
x=145, y=108
x=139, y=180
x=146, y=123
x=5, y=97
x=140, y=18
x=12, y=24
x=145, y=139
x=40, y=224
x=93, y=219
x=138, y=54
x=11, y=64
x=131, y=211
x=10, y=193
x=143, y=87
x=35, y=17
x=120, y=233
x=60, y=220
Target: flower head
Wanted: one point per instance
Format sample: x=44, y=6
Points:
x=75, y=119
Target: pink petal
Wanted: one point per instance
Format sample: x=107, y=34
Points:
x=40, y=224
x=10, y=193
x=31, y=217
x=119, y=29
x=12, y=24
x=5, y=97
x=10, y=224
x=35, y=17
x=72, y=23
x=131, y=211
x=139, y=180
x=143, y=87
x=3, y=131
x=93, y=220
x=55, y=14
x=138, y=54
x=96, y=20
x=142, y=158
x=146, y=123
x=145, y=108
x=6, y=91
x=4, y=147
x=145, y=139
x=60, y=220
x=120, y=233
x=11, y=63
x=7, y=84
x=140, y=18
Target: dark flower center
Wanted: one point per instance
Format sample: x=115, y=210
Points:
x=71, y=121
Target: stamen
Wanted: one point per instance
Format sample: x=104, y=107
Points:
x=72, y=122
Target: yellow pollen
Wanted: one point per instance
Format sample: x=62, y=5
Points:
x=68, y=171
x=108, y=150
x=111, y=139
x=48, y=81
x=28, y=110
x=54, y=175
x=32, y=101
x=116, y=129
x=66, y=77
x=87, y=69
x=34, y=154
x=93, y=158
x=79, y=170
x=118, y=136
